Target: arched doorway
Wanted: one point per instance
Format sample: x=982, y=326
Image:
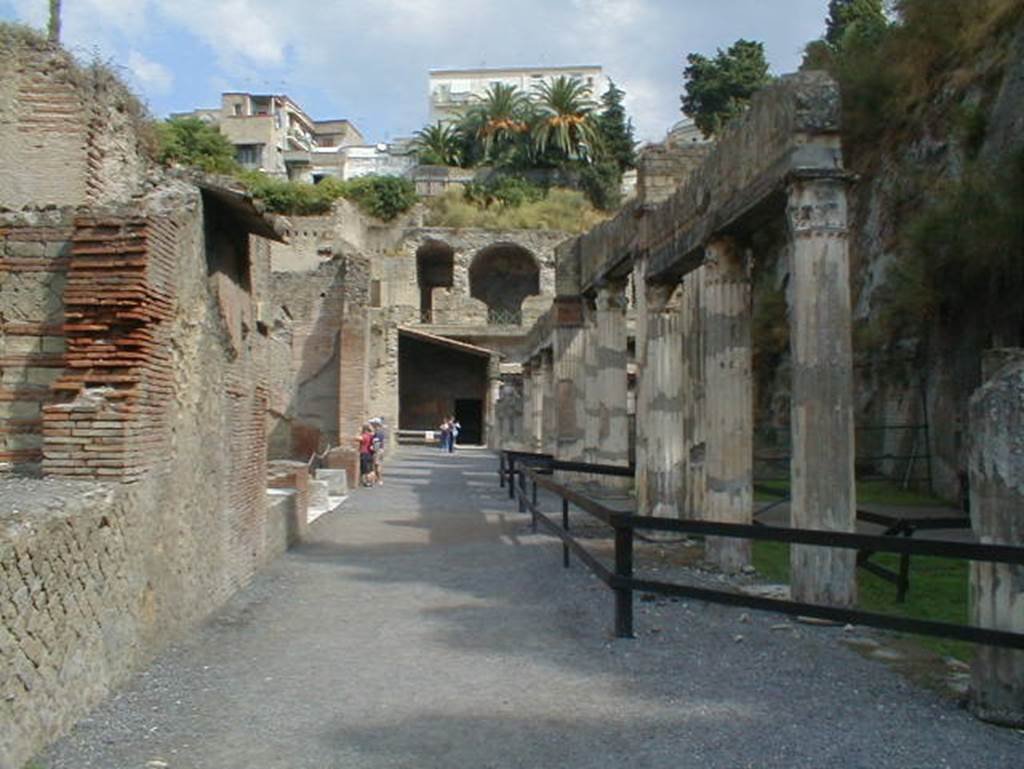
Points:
x=501, y=276
x=435, y=268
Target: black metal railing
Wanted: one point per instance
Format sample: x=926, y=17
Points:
x=525, y=469
x=895, y=526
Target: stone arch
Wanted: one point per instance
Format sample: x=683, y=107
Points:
x=502, y=275
x=435, y=268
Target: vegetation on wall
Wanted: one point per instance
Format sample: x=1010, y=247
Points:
x=191, y=142
x=719, y=89
x=556, y=209
x=964, y=251
x=384, y=197
x=890, y=71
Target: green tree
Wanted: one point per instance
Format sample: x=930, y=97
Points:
x=854, y=22
x=616, y=129
x=191, y=142
x=719, y=89
x=566, y=121
x=439, y=144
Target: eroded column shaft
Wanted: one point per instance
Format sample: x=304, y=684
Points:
x=663, y=424
x=612, y=381
x=725, y=321
x=996, y=466
x=569, y=373
x=823, y=494
x=692, y=389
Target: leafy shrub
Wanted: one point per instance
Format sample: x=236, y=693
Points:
x=384, y=197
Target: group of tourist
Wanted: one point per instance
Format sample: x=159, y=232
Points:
x=449, y=429
x=373, y=441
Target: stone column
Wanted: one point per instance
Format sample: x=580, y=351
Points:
x=640, y=399
x=663, y=423
x=692, y=395
x=591, y=395
x=546, y=415
x=823, y=492
x=529, y=419
x=996, y=465
x=492, y=436
x=612, y=380
x=569, y=392
x=725, y=321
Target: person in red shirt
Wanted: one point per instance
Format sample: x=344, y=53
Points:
x=366, y=474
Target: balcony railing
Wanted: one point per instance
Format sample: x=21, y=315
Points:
x=504, y=316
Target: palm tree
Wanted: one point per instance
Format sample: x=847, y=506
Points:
x=499, y=118
x=567, y=118
x=439, y=144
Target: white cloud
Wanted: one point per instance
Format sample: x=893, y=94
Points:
x=152, y=76
x=250, y=31
x=368, y=59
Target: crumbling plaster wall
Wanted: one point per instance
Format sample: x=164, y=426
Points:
x=69, y=135
x=315, y=389
x=96, y=577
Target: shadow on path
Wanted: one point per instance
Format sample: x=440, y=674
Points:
x=425, y=626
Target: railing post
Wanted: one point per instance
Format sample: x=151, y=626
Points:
x=903, y=581
x=501, y=470
x=565, y=527
x=533, y=508
x=521, y=492
x=624, y=571
x=512, y=477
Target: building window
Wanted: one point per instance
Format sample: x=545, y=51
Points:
x=374, y=293
x=249, y=155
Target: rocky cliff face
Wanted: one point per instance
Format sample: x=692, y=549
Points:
x=925, y=374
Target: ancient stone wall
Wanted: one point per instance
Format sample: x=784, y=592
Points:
x=33, y=268
x=164, y=391
x=69, y=135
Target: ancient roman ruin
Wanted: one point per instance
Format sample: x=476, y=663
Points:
x=172, y=356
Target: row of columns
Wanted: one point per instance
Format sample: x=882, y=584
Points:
x=694, y=412
x=694, y=394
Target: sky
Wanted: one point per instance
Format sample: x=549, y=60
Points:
x=368, y=60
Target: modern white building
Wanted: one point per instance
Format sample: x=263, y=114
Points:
x=452, y=91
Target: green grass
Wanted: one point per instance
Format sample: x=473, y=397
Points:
x=938, y=591
x=875, y=492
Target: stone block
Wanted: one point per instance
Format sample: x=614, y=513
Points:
x=318, y=494
x=336, y=479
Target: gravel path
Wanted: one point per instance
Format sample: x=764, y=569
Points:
x=426, y=627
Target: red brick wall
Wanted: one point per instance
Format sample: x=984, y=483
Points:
x=118, y=380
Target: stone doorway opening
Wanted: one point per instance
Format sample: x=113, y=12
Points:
x=440, y=377
x=470, y=414
x=435, y=268
x=502, y=275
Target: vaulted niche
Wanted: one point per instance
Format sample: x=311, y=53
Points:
x=435, y=266
x=501, y=276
